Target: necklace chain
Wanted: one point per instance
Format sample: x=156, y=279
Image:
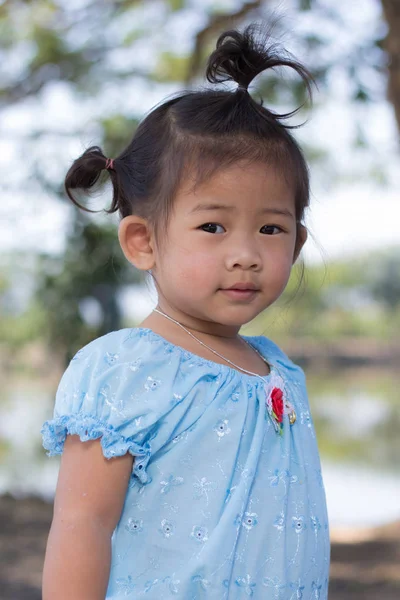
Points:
x=292, y=415
x=214, y=351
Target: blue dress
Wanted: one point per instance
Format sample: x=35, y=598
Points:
x=219, y=505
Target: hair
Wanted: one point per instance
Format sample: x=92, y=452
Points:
x=200, y=132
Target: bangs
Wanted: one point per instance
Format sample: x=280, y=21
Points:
x=196, y=159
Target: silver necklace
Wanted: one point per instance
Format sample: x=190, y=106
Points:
x=289, y=405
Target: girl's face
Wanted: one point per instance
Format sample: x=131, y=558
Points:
x=236, y=230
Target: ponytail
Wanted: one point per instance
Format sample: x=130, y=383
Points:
x=86, y=170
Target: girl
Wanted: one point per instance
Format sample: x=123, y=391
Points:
x=214, y=489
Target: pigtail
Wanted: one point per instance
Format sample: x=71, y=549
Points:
x=241, y=56
x=85, y=172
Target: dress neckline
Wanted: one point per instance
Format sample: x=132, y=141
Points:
x=199, y=360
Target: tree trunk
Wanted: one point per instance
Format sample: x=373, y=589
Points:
x=391, y=10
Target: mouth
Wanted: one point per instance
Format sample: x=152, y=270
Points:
x=249, y=286
x=241, y=291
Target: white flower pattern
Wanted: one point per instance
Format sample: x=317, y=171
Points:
x=200, y=534
x=167, y=528
x=222, y=428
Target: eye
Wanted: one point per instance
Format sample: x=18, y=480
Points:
x=267, y=229
x=212, y=228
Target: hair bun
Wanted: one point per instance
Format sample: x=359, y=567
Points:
x=240, y=57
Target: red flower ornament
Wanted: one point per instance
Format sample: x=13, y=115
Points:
x=277, y=404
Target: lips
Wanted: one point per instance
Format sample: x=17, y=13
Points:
x=243, y=286
x=241, y=292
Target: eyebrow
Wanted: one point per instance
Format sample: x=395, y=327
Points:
x=272, y=210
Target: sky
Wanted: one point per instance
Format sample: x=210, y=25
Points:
x=350, y=212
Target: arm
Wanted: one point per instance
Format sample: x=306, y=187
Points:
x=89, y=499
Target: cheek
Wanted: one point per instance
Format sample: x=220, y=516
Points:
x=280, y=267
x=197, y=268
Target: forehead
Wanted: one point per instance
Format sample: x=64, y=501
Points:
x=245, y=187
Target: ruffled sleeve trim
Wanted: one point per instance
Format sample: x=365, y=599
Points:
x=55, y=431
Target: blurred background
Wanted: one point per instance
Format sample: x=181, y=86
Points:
x=82, y=72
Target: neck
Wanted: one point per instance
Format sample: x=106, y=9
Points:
x=196, y=325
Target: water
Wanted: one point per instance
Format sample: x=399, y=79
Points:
x=357, y=420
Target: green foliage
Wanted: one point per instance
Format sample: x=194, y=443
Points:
x=171, y=67
x=93, y=267
x=176, y=4
x=346, y=298
x=68, y=42
x=132, y=36
x=5, y=447
x=306, y=4
x=50, y=48
x=384, y=277
x=117, y=133
x=17, y=330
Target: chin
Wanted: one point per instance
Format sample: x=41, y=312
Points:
x=237, y=320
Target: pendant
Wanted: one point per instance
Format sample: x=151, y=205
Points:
x=291, y=413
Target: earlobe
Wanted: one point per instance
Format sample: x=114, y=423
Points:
x=301, y=239
x=135, y=238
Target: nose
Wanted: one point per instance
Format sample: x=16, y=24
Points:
x=244, y=254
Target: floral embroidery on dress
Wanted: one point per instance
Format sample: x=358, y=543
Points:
x=152, y=384
x=170, y=483
x=274, y=582
x=202, y=487
x=298, y=589
x=134, y=525
x=278, y=404
x=275, y=404
x=167, y=528
x=111, y=400
x=150, y=584
x=316, y=590
x=200, y=534
x=299, y=524
x=315, y=523
x=135, y=365
x=222, y=428
x=247, y=584
x=279, y=522
x=249, y=520
x=111, y=358
x=172, y=584
x=201, y=581
x=126, y=585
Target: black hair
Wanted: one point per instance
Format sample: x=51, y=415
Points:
x=201, y=132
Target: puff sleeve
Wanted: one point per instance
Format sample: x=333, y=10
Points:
x=108, y=392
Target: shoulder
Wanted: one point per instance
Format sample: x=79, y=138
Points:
x=119, y=347
x=111, y=358
x=271, y=351
x=140, y=356
x=114, y=340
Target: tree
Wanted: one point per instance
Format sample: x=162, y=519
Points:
x=90, y=54
x=391, y=9
x=93, y=267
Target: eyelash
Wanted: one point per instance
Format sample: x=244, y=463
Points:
x=218, y=225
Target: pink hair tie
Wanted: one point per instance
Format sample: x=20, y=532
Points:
x=110, y=163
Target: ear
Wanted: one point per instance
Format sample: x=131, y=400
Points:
x=301, y=239
x=136, y=240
